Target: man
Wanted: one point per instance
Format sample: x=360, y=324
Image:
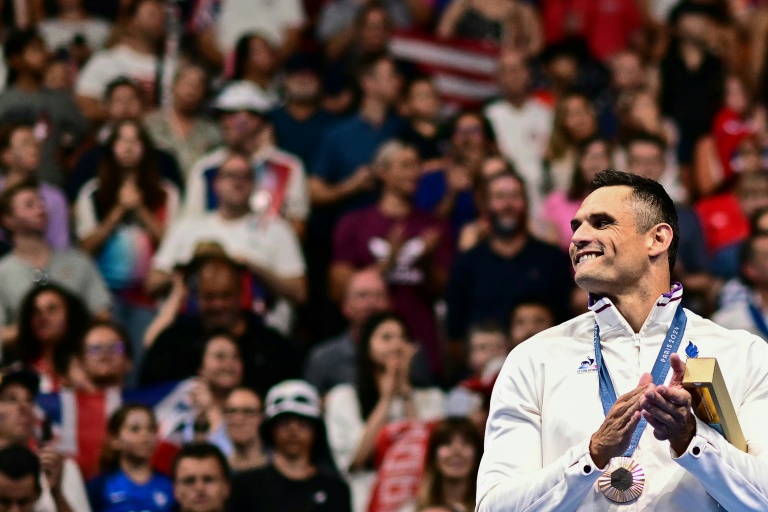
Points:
x=645, y=157
x=300, y=123
x=750, y=314
x=19, y=479
x=265, y=244
x=522, y=123
x=334, y=361
x=20, y=155
x=105, y=357
x=60, y=486
x=243, y=414
x=296, y=478
x=33, y=261
x=268, y=358
x=530, y=317
x=410, y=248
x=58, y=124
x=509, y=255
x=134, y=56
x=549, y=438
x=280, y=187
x=201, y=479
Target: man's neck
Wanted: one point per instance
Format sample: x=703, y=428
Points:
x=294, y=468
x=234, y=212
x=373, y=111
x=249, y=455
x=394, y=206
x=517, y=101
x=300, y=111
x=28, y=83
x=32, y=248
x=509, y=247
x=635, y=305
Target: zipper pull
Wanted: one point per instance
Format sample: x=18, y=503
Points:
x=636, y=337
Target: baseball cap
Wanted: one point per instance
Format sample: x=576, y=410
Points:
x=242, y=96
x=294, y=397
x=17, y=373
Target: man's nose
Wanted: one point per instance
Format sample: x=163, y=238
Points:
x=582, y=236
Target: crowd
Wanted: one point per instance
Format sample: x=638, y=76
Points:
x=269, y=255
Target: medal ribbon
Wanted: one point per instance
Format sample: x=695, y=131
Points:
x=758, y=318
x=659, y=372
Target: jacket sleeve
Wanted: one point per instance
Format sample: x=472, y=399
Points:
x=737, y=480
x=512, y=475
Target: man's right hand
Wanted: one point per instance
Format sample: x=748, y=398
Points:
x=614, y=435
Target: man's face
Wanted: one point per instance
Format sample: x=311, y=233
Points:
x=243, y=415
x=200, y=485
x=28, y=213
x=293, y=436
x=627, y=71
x=239, y=128
x=529, y=320
x=367, y=295
x=189, y=89
x=607, y=250
x=234, y=183
x=18, y=495
x=17, y=416
x=23, y=153
x=645, y=159
x=513, y=74
x=35, y=58
x=507, y=207
x=484, y=347
x=219, y=296
x=374, y=32
x=402, y=173
x=423, y=101
x=149, y=21
x=383, y=82
x=123, y=104
x=303, y=86
x=104, y=358
x=757, y=269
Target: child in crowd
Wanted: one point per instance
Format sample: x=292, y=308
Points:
x=529, y=318
x=128, y=481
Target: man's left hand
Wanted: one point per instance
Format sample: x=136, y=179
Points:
x=668, y=410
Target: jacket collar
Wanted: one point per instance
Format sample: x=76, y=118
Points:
x=612, y=324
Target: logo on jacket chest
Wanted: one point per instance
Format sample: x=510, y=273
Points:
x=588, y=365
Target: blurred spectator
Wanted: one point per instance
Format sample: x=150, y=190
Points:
x=530, y=317
x=123, y=101
x=355, y=414
x=422, y=130
x=51, y=324
x=509, y=255
x=61, y=486
x=410, y=248
x=20, y=476
x=269, y=358
x=691, y=82
x=180, y=129
x=488, y=346
x=301, y=122
x=450, y=470
x=645, y=156
x=59, y=76
x=607, y=27
x=243, y=413
x=201, y=479
x=127, y=478
x=750, y=314
x=522, y=123
x=220, y=371
x=104, y=356
x=509, y=23
x=263, y=243
x=136, y=55
x=121, y=217
x=627, y=73
x=279, y=183
x=34, y=262
x=574, y=123
x=20, y=155
x=559, y=207
x=73, y=26
x=295, y=479
x=58, y=124
x=256, y=66
x=334, y=361
x=219, y=24
x=726, y=262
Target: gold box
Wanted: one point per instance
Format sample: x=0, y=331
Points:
x=711, y=401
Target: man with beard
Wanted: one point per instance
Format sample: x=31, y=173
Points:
x=410, y=248
x=489, y=280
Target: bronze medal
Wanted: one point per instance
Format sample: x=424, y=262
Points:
x=622, y=481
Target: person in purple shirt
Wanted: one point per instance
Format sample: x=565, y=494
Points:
x=20, y=156
x=411, y=248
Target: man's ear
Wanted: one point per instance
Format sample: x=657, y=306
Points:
x=661, y=239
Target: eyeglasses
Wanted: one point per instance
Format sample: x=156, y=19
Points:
x=245, y=411
x=115, y=348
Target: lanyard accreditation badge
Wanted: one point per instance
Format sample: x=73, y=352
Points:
x=623, y=480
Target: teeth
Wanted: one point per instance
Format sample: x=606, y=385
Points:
x=587, y=257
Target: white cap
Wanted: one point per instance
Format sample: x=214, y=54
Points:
x=242, y=96
x=295, y=397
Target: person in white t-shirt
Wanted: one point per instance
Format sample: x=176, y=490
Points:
x=264, y=243
x=136, y=56
x=73, y=21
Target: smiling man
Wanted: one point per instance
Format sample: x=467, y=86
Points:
x=558, y=438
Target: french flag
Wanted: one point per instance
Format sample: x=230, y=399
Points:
x=79, y=420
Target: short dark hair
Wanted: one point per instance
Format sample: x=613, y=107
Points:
x=15, y=44
x=654, y=204
x=7, y=130
x=7, y=196
x=17, y=462
x=122, y=81
x=508, y=172
x=114, y=327
x=646, y=138
x=486, y=326
x=369, y=62
x=747, y=252
x=200, y=451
